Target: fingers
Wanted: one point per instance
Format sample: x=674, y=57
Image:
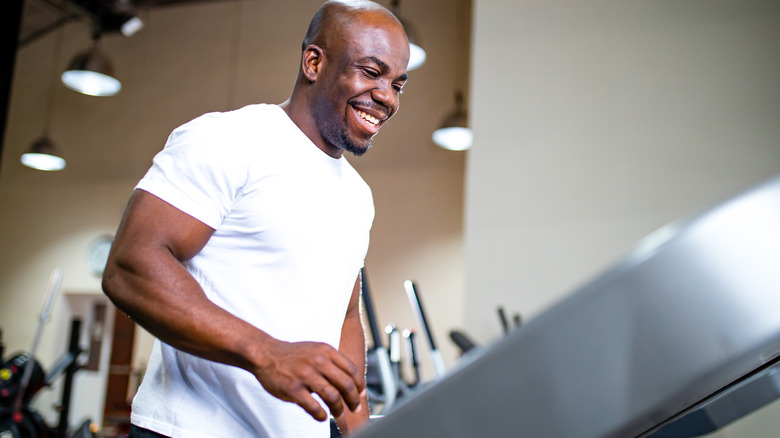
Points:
x=312, y=406
x=344, y=383
x=330, y=395
x=297, y=392
x=300, y=370
x=352, y=370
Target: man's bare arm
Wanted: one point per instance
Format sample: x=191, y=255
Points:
x=353, y=345
x=145, y=278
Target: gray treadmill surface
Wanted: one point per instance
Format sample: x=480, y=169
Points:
x=688, y=318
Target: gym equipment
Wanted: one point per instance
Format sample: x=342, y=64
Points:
x=685, y=325
x=384, y=380
x=380, y=383
x=411, y=353
x=394, y=341
x=517, y=320
x=22, y=377
x=462, y=341
x=51, y=291
x=417, y=307
x=503, y=320
x=465, y=343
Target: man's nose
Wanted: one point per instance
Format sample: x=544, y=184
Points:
x=387, y=96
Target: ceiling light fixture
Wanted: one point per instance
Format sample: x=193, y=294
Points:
x=43, y=155
x=416, y=52
x=131, y=26
x=454, y=133
x=90, y=73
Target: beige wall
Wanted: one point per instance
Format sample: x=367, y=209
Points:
x=177, y=67
x=596, y=123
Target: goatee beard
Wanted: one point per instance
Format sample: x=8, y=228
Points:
x=352, y=147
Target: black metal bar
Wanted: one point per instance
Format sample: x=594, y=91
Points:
x=369, y=306
x=410, y=342
x=462, y=341
x=70, y=371
x=414, y=299
x=59, y=367
x=504, y=322
x=417, y=307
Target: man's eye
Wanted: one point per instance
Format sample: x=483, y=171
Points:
x=371, y=73
x=398, y=89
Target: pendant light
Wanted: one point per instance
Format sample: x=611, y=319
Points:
x=454, y=133
x=91, y=73
x=416, y=52
x=43, y=154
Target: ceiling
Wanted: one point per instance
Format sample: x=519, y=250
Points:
x=178, y=67
x=43, y=16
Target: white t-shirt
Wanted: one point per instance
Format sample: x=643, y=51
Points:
x=292, y=228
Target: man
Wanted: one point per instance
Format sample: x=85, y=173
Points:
x=241, y=247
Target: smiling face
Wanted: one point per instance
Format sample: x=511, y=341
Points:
x=361, y=71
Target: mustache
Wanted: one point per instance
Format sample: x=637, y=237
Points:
x=369, y=104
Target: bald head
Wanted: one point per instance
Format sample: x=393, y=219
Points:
x=338, y=14
x=352, y=72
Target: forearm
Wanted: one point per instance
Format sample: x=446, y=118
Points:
x=353, y=346
x=157, y=292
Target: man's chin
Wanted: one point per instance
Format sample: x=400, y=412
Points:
x=356, y=149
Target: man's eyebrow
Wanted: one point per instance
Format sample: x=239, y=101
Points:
x=382, y=65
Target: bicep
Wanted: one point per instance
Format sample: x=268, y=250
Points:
x=151, y=225
x=144, y=268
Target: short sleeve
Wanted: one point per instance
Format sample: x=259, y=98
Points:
x=199, y=171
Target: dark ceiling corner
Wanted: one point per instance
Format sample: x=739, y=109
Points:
x=11, y=13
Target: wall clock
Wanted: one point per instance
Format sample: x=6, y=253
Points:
x=98, y=254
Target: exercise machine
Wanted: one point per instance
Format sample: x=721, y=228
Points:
x=22, y=378
x=380, y=383
x=678, y=339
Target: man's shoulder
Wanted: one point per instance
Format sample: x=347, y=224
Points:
x=236, y=129
x=248, y=116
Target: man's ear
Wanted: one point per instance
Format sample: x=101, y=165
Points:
x=312, y=60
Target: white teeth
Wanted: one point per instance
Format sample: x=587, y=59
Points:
x=369, y=118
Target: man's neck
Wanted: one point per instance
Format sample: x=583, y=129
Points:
x=298, y=112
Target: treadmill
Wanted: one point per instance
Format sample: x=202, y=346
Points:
x=679, y=339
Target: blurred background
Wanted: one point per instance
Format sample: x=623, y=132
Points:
x=594, y=124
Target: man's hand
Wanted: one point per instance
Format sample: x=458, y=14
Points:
x=295, y=371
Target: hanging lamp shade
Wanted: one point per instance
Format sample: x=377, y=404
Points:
x=454, y=133
x=90, y=73
x=416, y=56
x=416, y=52
x=43, y=155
